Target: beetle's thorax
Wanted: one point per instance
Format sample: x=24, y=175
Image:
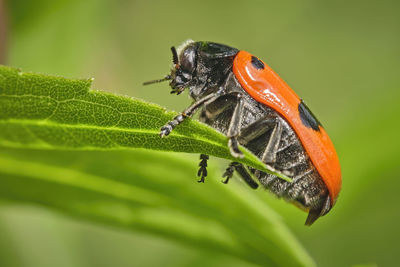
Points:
x=199, y=70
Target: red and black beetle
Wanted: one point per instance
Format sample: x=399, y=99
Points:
x=245, y=99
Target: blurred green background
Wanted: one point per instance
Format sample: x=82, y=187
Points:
x=342, y=57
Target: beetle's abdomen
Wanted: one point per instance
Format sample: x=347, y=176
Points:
x=307, y=188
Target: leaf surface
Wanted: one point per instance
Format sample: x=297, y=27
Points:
x=41, y=111
x=65, y=147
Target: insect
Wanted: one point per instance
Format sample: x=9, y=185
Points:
x=242, y=97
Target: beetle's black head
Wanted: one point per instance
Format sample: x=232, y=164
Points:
x=184, y=66
x=184, y=63
x=199, y=66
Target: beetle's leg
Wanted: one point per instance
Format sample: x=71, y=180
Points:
x=234, y=127
x=269, y=155
x=256, y=129
x=203, y=168
x=260, y=127
x=241, y=170
x=167, y=128
x=229, y=172
x=219, y=105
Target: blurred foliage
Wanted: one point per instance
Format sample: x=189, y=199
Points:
x=342, y=57
x=150, y=192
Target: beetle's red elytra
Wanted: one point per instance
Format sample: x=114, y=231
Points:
x=266, y=87
x=243, y=98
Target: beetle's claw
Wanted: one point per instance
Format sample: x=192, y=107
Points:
x=234, y=148
x=202, y=172
x=165, y=130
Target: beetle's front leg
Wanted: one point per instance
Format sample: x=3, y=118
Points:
x=169, y=126
x=219, y=105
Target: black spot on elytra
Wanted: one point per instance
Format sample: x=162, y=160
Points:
x=307, y=117
x=257, y=63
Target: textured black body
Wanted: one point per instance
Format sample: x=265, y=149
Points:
x=307, y=188
x=205, y=69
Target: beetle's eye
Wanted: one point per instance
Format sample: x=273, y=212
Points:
x=188, y=60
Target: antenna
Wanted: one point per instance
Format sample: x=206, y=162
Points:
x=174, y=56
x=166, y=78
x=175, y=59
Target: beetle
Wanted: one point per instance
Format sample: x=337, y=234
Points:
x=243, y=98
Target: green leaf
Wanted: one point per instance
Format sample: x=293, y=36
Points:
x=49, y=128
x=150, y=192
x=39, y=111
